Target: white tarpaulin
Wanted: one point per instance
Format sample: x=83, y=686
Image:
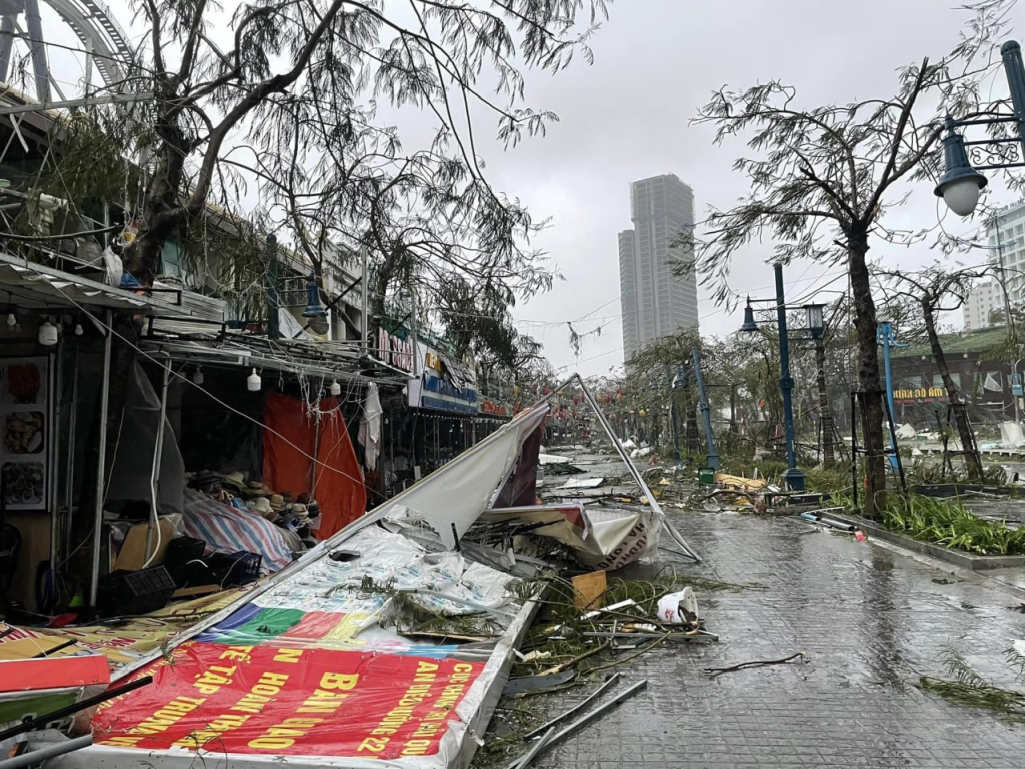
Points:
x=451, y=498
x=1011, y=434
x=370, y=427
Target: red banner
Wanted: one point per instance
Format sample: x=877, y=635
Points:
x=274, y=700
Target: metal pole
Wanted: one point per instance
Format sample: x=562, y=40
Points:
x=414, y=323
x=101, y=462
x=40, y=69
x=154, y=473
x=884, y=332
x=825, y=415
x=69, y=477
x=364, y=292
x=50, y=751
x=854, y=449
x=6, y=43
x=896, y=453
x=273, y=300
x=1010, y=52
x=712, y=459
x=793, y=478
x=1016, y=382
x=317, y=416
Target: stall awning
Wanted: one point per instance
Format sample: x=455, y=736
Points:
x=36, y=286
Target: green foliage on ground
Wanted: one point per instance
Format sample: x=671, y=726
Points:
x=827, y=480
x=967, y=687
x=947, y=522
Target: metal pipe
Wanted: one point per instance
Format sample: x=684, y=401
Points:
x=31, y=724
x=854, y=449
x=69, y=478
x=638, y=478
x=316, y=440
x=586, y=719
x=154, y=473
x=101, y=462
x=38, y=756
x=6, y=44
x=364, y=291
x=579, y=706
x=537, y=747
x=414, y=324
x=1016, y=382
x=884, y=331
x=793, y=477
x=40, y=68
x=712, y=460
x=1010, y=52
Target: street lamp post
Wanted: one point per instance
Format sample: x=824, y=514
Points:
x=793, y=477
x=961, y=181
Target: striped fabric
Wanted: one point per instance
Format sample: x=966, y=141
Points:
x=227, y=530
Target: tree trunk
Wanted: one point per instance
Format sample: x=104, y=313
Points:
x=969, y=449
x=376, y=306
x=825, y=415
x=868, y=373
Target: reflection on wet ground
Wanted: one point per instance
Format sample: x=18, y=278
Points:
x=870, y=620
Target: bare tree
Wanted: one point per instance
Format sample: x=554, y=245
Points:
x=292, y=112
x=824, y=178
x=938, y=289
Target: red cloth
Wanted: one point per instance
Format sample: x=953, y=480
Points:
x=340, y=490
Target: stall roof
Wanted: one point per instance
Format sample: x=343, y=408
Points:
x=36, y=286
x=331, y=360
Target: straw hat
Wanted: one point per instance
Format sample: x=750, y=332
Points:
x=236, y=480
x=277, y=502
x=261, y=505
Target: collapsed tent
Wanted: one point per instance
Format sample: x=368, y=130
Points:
x=350, y=656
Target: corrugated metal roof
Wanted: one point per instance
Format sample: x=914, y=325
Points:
x=36, y=286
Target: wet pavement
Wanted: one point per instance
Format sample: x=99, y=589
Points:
x=870, y=620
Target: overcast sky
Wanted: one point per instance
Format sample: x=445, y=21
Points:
x=627, y=117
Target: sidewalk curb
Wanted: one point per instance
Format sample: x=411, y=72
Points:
x=978, y=563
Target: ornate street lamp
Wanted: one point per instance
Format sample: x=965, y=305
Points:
x=793, y=477
x=961, y=181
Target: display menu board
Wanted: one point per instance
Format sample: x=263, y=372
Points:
x=24, y=421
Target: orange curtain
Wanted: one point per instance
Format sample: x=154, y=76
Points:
x=340, y=490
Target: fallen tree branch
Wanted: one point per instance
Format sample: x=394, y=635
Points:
x=716, y=672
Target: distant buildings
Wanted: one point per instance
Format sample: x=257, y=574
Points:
x=655, y=302
x=985, y=297
x=1005, y=237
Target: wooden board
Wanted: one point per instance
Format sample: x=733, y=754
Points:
x=587, y=588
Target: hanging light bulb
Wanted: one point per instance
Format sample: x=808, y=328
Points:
x=47, y=334
x=336, y=389
x=253, y=382
x=78, y=329
x=197, y=376
x=12, y=319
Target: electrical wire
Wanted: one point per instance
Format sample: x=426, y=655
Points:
x=200, y=388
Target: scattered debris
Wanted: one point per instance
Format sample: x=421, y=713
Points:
x=533, y=684
x=610, y=679
x=551, y=739
x=588, y=588
x=716, y=672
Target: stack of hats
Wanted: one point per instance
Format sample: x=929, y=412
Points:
x=234, y=482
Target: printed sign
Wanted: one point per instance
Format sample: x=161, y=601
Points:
x=23, y=420
x=276, y=698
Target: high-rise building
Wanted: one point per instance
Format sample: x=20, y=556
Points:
x=655, y=301
x=1005, y=233
x=1005, y=239
x=983, y=299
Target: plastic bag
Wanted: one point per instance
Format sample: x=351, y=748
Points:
x=115, y=267
x=679, y=608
